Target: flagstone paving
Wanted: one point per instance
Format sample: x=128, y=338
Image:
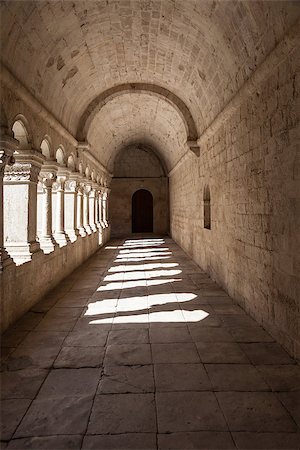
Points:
x=140, y=349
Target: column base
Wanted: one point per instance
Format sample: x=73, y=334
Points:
x=93, y=228
x=62, y=239
x=82, y=232
x=72, y=235
x=22, y=252
x=5, y=259
x=88, y=229
x=48, y=244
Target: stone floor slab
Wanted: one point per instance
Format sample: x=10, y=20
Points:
x=210, y=334
x=79, y=357
x=123, y=413
x=32, y=357
x=134, y=441
x=188, y=411
x=55, y=416
x=181, y=377
x=175, y=353
x=221, y=352
x=266, y=353
x=87, y=338
x=169, y=335
x=235, y=377
x=44, y=338
x=70, y=382
x=128, y=336
x=128, y=354
x=248, y=333
x=12, y=412
x=21, y=383
x=126, y=379
x=255, y=411
x=291, y=402
x=281, y=377
x=264, y=441
x=195, y=440
x=47, y=443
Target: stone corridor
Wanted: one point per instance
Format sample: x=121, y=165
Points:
x=139, y=348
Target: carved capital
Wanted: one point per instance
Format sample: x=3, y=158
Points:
x=71, y=186
x=20, y=172
x=47, y=179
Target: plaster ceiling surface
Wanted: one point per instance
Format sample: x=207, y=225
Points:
x=68, y=52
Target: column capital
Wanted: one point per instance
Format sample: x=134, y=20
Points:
x=26, y=167
x=7, y=147
x=62, y=176
x=73, y=182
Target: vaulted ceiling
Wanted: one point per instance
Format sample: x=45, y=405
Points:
x=69, y=52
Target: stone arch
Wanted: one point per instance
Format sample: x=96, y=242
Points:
x=46, y=147
x=60, y=155
x=20, y=129
x=71, y=162
x=87, y=172
x=136, y=88
x=81, y=168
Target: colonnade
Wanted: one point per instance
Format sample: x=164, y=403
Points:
x=45, y=204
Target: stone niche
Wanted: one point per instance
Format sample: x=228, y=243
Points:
x=138, y=167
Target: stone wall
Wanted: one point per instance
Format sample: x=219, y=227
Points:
x=122, y=190
x=138, y=167
x=22, y=286
x=251, y=163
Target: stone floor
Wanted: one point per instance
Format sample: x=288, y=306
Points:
x=140, y=349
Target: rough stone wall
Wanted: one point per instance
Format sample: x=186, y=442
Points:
x=251, y=164
x=137, y=162
x=138, y=167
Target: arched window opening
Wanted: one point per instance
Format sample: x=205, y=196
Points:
x=207, y=208
x=60, y=156
x=142, y=212
x=71, y=162
x=45, y=148
x=21, y=133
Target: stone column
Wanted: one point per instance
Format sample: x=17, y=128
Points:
x=92, y=208
x=101, y=208
x=71, y=204
x=79, y=222
x=7, y=147
x=97, y=208
x=47, y=241
x=20, y=205
x=60, y=234
x=105, y=216
x=86, y=209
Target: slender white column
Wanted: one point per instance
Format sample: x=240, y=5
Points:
x=97, y=208
x=46, y=238
x=92, y=209
x=101, y=208
x=71, y=192
x=60, y=234
x=80, y=226
x=20, y=205
x=86, y=209
x=105, y=217
x=7, y=147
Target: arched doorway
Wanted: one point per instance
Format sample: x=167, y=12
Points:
x=142, y=212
